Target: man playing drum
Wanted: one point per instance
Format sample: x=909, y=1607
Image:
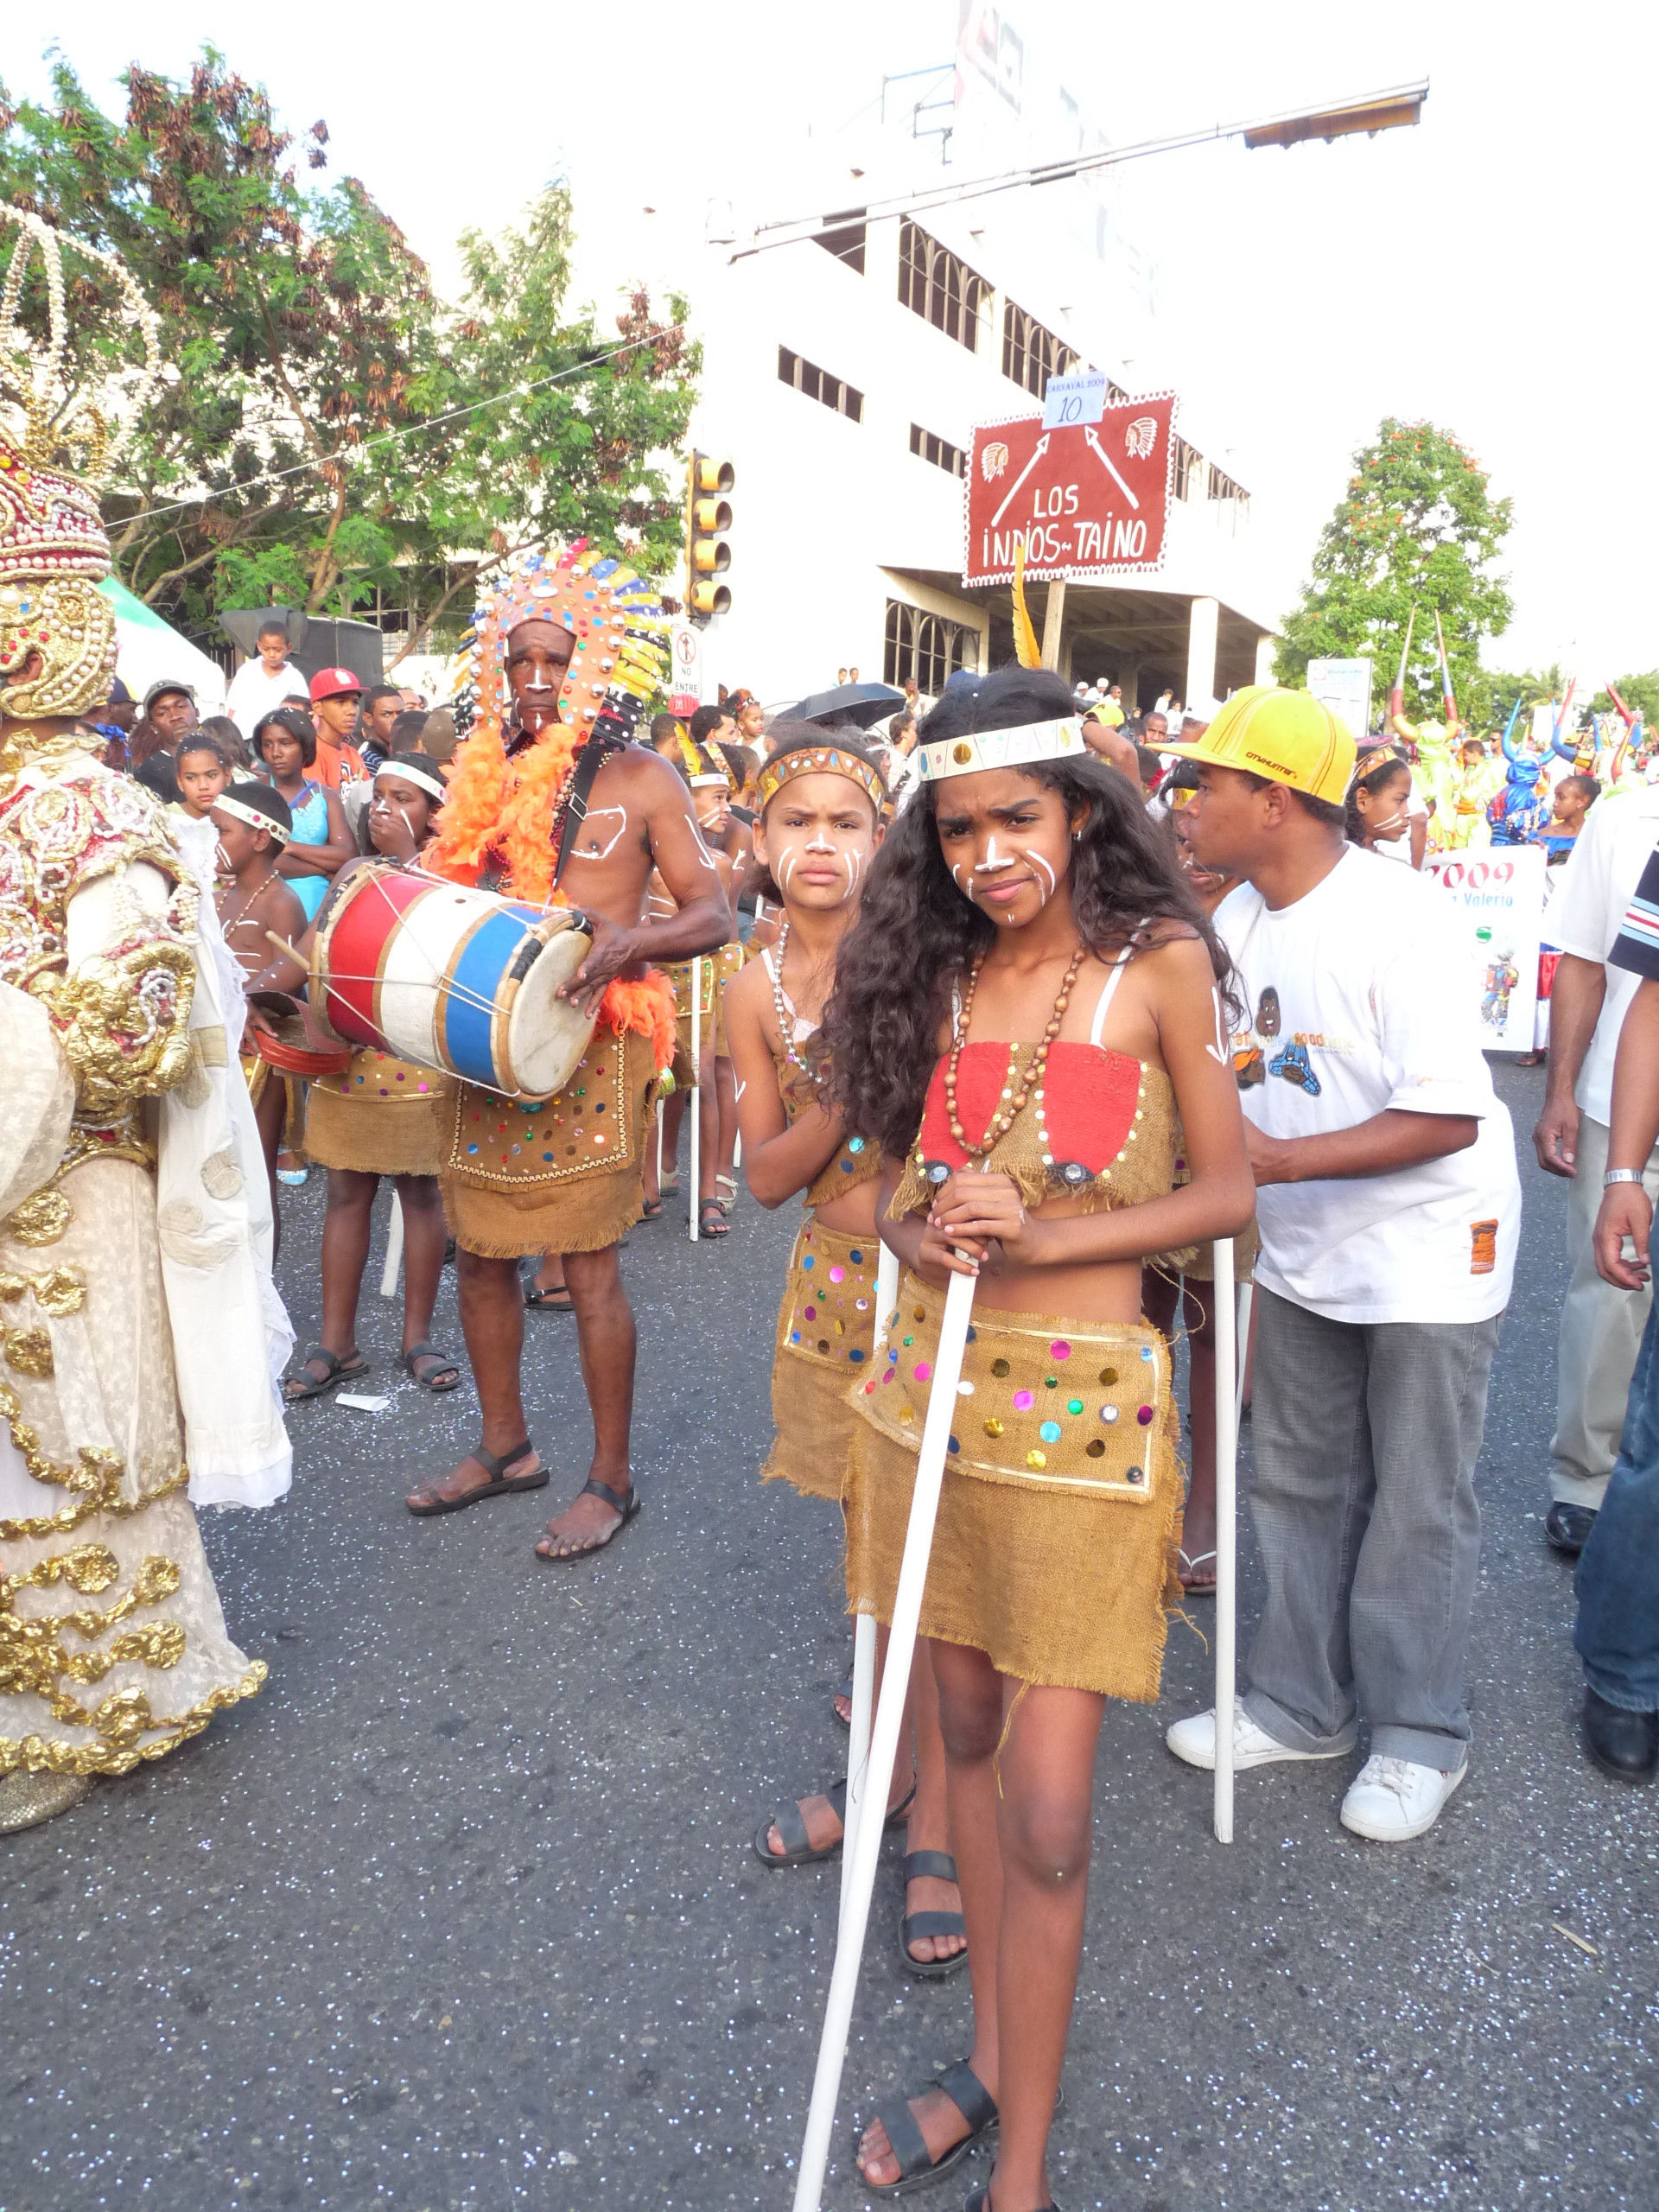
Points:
x=549, y=802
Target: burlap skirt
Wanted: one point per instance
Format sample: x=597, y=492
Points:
x=383, y=1116
x=826, y=1331
x=718, y=969
x=1054, y=1552
x=562, y=1174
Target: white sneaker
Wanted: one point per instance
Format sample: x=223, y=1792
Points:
x=1391, y=1801
x=1194, y=1740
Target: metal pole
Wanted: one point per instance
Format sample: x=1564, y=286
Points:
x=388, y=1273
x=1226, y=1532
x=889, y=1719
x=697, y=1090
x=858, y=1751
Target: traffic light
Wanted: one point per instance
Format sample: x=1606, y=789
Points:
x=707, y=556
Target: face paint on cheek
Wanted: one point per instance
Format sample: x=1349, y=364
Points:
x=957, y=875
x=855, y=869
x=1037, y=861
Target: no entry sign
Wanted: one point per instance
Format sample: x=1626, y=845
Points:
x=1089, y=500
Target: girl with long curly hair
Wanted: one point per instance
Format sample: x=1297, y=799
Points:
x=1027, y=1009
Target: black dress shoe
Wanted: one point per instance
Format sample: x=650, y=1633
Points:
x=1623, y=1744
x=1569, y=1527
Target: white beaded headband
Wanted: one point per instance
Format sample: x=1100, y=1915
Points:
x=1001, y=748
x=415, y=772
x=254, y=819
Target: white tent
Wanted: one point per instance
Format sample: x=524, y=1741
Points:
x=149, y=650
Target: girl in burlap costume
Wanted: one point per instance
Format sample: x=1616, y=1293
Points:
x=822, y=800
x=1028, y=1001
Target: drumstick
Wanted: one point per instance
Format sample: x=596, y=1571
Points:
x=282, y=944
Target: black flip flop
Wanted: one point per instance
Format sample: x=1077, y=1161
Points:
x=979, y=2199
x=939, y=1866
x=431, y=1381
x=627, y=1507
x=797, y=1851
x=319, y=1387
x=916, y=2169
x=557, y=1300
x=500, y=1482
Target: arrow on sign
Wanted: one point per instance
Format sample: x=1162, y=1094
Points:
x=1105, y=461
x=1042, y=447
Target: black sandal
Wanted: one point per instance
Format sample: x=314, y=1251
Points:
x=979, y=2199
x=432, y=1379
x=711, y=1219
x=314, y=1386
x=650, y=1209
x=798, y=1850
x=556, y=1298
x=939, y=1866
x=627, y=1507
x=500, y=1482
x=909, y=2145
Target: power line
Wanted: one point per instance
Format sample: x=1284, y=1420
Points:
x=409, y=430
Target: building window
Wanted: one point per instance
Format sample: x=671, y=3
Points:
x=819, y=384
x=845, y=238
x=1222, y=487
x=1030, y=354
x=934, y=284
x=939, y=451
x=926, y=647
x=1187, y=465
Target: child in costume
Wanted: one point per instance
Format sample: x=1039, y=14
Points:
x=1028, y=1004
x=254, y=824
x=379, y=1117
x=822, y=801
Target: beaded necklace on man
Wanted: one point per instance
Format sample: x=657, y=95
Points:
x=1013, y=1103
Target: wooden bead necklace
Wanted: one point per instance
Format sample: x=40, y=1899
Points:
x=1014, y=1102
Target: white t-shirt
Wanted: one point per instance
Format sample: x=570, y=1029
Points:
x=1360, y=991
x=252, y=693
x=1596, y=886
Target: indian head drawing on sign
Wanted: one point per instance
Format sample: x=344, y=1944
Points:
x=1089, y=500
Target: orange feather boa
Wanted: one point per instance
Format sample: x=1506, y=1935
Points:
x=499, y=809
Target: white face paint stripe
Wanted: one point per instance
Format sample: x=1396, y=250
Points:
x=1038, y=861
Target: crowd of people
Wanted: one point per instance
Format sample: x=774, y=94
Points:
x=1034, y=990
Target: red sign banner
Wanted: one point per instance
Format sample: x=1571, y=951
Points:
x=1088, y=501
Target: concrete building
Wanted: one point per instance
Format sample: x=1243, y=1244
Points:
x=842, y=377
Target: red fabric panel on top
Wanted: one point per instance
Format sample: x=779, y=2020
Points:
x=1089, y=1102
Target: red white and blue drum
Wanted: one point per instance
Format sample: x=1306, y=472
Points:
x=462, y=982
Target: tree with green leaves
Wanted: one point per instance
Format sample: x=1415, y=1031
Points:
x=1417, y=526
x=327, y=433
x=1640, y=694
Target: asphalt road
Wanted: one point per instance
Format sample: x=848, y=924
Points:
x=461, y=1912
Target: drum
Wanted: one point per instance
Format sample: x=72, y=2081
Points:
x=460, y=981
x=296, y=1043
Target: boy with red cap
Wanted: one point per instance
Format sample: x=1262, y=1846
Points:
x=335, y=693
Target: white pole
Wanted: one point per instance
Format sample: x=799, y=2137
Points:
x=394, y=1250
x=737, y=1153
x=889, y=1719
x=858, y=1751
x=697, y=1090
x=659, y=1147
x=1246, y=1315
x=1226, y=1533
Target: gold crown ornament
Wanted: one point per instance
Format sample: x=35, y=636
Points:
x=1003, y=748
x=64, y=419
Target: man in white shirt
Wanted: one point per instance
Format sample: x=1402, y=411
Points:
x=1389, y=1209
x=1601, y=1321
x=260, y=685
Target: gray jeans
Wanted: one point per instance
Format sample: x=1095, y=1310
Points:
x=1366, y=1440
x=1601, y=1330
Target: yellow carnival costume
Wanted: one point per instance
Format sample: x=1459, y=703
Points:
x=136, y=1319
x=515, y=1178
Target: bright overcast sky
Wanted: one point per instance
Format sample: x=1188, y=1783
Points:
x=1491, y=271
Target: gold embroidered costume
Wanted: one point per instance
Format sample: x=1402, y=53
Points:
x=113, y=1649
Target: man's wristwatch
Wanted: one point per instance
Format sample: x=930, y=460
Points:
x=1620, y=1175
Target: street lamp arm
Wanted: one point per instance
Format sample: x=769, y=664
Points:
x=1395, y=106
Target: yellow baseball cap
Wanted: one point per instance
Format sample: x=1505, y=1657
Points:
x=1289, y=737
